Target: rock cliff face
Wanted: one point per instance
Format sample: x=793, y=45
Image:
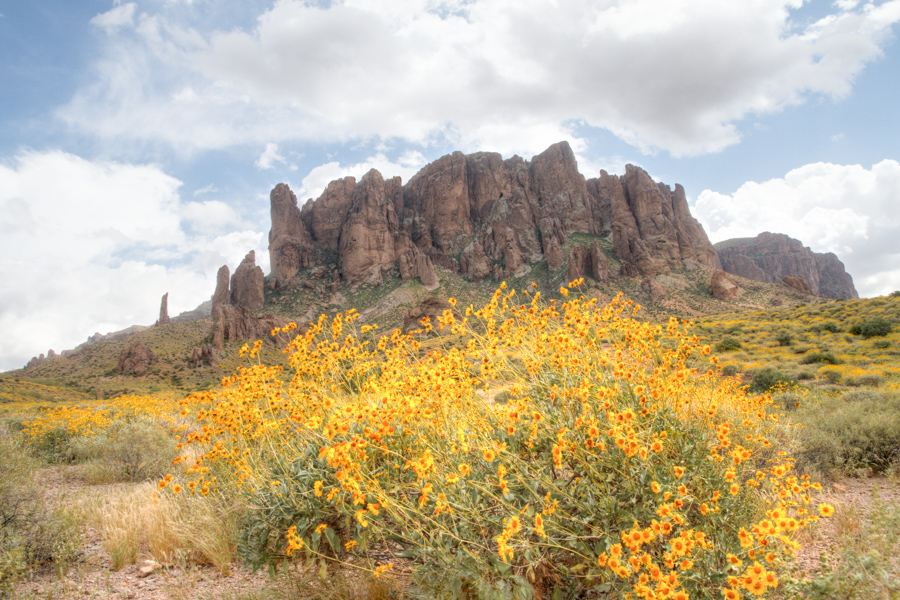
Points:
x=480, y=215
x=772, y=257
x=248, y=284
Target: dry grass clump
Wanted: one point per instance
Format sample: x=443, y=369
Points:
x=170, y=528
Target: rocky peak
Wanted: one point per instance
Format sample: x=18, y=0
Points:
x=222, y=295
x=479, y=214
x=163, y=310
x=248, y=284
x=771, y=257
x=290, y=243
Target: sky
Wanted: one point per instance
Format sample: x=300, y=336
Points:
x=139, y=140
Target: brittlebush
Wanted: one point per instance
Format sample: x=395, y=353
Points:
x=613, y=465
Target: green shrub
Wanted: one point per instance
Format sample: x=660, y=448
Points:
x=882, y=344
x=820, y=357
x=130, y=451
x=784, y=338
x=870, y=380
x=30, y=534
x=731, y=370
x=766, y=379
x=805, y=376
x=869, y=328
x=728, y=344
x=830, y=374
x=830, y=326
x=847, y=433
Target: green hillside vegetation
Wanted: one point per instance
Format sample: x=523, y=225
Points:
x=90, y=369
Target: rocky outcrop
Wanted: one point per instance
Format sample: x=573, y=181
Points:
x=222, y=295
x=481, y=215
x=367, y=237
x=771, y=257
x=36, y=360
x=290, y=244
x=202, y=355
x=723, y=288
x=231, y=323
x=588, y=261
x=653, y=288
x=652, y=227
x=163, y=310
x=797, y=284
x=248, y=284
x=136, y=359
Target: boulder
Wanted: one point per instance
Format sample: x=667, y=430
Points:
x=136, y=359
x=723, y=288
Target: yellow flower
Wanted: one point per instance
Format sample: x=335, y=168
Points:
x=826, y=510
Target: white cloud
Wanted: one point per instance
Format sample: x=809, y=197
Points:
x=207, y=189
x=269, y=157
x=92, y=246
x=116, y=17
x=504, y=75
x=845, y=209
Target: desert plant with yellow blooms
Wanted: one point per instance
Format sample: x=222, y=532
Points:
x=614, y=464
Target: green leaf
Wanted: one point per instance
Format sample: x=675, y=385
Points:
x=333, y=540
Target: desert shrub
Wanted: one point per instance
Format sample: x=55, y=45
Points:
x=882, y=344
x=31, y=535
x=784, y=338
x=862, y=395
x=728, y=344
x=831, y=374
x=135, y=450
x=830, y=326
x=605, y=470
x=768, y=378
x=819, y=357
x=843, y=434
x=730, y=370
x=805, y=376
x=867, y=379
x=875, y=327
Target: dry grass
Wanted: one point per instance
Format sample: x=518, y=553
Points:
x=170, y=528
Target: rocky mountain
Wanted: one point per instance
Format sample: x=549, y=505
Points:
x=479, y=215
x=775, y=257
